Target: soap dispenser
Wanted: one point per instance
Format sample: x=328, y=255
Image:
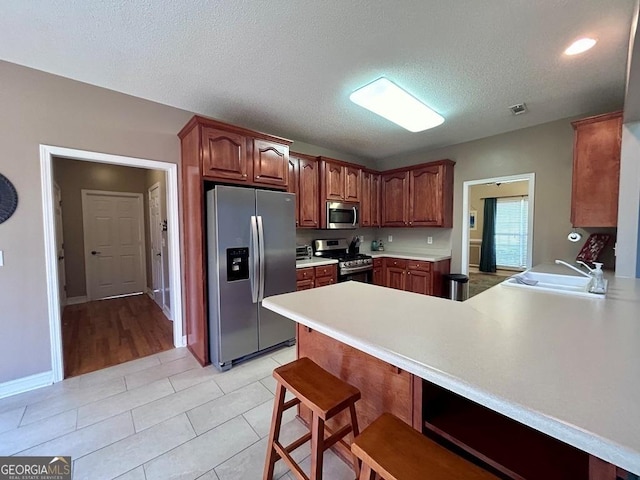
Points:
x=597, y=284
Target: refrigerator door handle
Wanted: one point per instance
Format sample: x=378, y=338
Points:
x=255, y=259
x=261, y=260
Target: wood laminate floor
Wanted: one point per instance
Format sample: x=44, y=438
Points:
x=103, y=333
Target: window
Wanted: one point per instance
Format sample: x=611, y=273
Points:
x=512, y=225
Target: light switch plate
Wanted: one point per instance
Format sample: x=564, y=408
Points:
x=1, y=258
x=430, y=240
x=390, y=238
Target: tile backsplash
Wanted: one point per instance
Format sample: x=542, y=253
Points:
x=409, y=240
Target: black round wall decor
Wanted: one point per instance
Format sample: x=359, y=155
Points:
x=8, y=198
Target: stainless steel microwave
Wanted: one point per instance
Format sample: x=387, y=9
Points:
x=343, y=215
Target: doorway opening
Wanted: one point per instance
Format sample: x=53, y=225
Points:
x=497, y=229
x=79, y=291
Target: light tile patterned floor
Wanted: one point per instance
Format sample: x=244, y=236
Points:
x=159, y=417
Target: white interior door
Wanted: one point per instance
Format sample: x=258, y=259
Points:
x=155, y=229
x=60, y=245
x=114, y=243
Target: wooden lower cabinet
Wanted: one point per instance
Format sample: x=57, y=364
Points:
x=384, y=388
x=414, y=275
x=313, y=277
x=378, y=272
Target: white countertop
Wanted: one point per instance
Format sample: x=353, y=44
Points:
x=315, y=262
x=567, y=366
x=425, y=257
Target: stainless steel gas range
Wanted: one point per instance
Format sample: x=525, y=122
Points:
x=352, y=265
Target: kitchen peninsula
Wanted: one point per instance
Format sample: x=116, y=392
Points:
x=564, y=366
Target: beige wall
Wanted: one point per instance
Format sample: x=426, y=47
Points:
x=73, y=176
x=545, y=150
x=39, y=108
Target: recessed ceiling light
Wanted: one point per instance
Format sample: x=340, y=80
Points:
x=579, y=46
x=388, y=100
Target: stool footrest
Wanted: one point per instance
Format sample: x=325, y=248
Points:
x=291, y=403
x=299, y=442
x=336, y=436
x=288, y=459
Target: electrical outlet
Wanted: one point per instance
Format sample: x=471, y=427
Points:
x=390, y=238
x=361, y=237
x=1, y=258
x=430, y=240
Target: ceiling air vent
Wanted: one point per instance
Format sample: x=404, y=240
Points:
x=518, y=108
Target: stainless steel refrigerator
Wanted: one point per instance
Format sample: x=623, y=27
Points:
x=251, y=241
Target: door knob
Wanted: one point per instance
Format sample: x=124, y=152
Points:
x=93, y=252
x=60, y=257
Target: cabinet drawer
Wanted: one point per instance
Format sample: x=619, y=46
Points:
x=418, y=265
x=305, y=274
x=326, y=271
x=377, y=262
x=396, y=262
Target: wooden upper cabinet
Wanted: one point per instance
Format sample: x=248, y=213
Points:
x=224, y=155
x=365, y=203
x=270, y=163
x=596, y=171
x=333, y=175
x=236, y=155
x=375, y=199
x=395, y=188
x=308, y=193
x=292, y=184
x=431, y=195
x=352, y=184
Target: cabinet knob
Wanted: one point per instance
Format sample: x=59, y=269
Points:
x=257, y=176
x=244, y=175
x=410, y=223
x=408, y=273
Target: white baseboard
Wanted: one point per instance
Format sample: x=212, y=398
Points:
x=24, y=384
x=184, y=342
x=77, y=300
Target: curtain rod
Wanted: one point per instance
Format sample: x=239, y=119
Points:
x=508, y=196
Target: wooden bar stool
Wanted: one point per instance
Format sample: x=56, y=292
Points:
x=395, y=451
x=325, y=395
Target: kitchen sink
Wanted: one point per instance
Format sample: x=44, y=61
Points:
x=551, y=282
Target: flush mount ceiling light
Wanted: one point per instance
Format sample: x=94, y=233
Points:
x=580, y=46
x=388, y=100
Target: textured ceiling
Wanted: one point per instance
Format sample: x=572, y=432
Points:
x=287, y=67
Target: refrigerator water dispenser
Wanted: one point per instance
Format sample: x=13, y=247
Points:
x=237, y=264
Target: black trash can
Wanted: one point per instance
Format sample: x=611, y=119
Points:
x=457, y=286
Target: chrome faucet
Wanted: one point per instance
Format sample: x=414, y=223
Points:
x=581, y=272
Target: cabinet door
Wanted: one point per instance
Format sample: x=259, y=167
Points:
x=292, y=184
x=419, y=281
x=224, y=155
x=365, y=204
x=333, y=181
x=425, y=197
x=378, y=276
x=395, y=192
x=308, y=194
x=352, y=184
x=596, y=171
x=394, y=277
x=270, y=163
x=375, y=200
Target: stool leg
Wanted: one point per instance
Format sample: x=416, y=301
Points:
x=274, y=432
x=356, y=432
x=366, y=473
x=317, y=447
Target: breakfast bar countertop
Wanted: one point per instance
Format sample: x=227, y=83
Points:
x=315, y=262
x=566, y=366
